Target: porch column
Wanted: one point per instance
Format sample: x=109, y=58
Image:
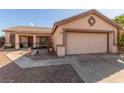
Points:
x=34, y=41
x=17, y=41
x=7, y=39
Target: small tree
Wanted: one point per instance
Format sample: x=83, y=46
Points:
x=119, y=19
x=2, y=41
x=121, y=40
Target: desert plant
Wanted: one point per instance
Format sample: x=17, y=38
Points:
x=2, y=41
x=121, y=40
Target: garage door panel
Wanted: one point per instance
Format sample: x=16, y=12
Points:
x=81, y=43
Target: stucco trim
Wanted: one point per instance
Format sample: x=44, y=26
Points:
x=108, y=42
x=64, y=44
x=87, y=30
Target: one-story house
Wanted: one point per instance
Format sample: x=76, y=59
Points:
x=89, y=32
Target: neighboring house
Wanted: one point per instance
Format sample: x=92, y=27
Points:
x=89, y=32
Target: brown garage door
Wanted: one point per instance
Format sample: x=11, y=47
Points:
x=82, y=43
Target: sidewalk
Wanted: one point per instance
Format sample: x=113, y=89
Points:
x=25, y=62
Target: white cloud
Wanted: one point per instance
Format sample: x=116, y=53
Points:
x=31, y=24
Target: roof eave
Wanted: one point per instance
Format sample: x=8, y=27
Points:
x=15, y=31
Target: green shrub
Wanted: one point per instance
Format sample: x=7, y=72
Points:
x=121, y=40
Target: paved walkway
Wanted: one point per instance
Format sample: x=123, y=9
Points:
x=25, y=62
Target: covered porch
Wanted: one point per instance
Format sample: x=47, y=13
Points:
x=27, y=37
x=31, y=41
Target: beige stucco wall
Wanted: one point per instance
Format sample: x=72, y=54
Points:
x=24, y=40
x=82, y=23
x=61, y=51
x=57, y=38
x=17, y=41
x=37, y=41
x=7, y=39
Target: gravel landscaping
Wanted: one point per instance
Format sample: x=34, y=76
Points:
x=4, y=60
x=12, y=73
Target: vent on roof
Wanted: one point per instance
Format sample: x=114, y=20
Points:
x=91, y=21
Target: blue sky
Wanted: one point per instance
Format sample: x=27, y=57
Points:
x=42, y=17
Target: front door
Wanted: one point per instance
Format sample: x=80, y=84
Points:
x=30, y=41
x=43, y=41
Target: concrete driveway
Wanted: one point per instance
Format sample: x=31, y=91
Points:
x=108, y=68
x=92, y=68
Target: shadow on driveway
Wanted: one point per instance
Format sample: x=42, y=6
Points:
x=100, y=67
